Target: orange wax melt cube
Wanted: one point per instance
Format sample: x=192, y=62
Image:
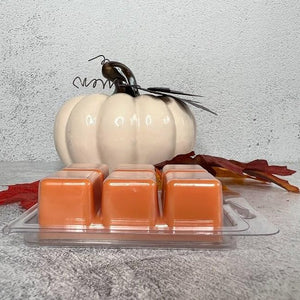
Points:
x=130, y=199
x=69, y=198
x=178, y=168
x=192, y=199
x=101, y=169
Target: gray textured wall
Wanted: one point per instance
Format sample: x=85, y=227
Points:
x=242, y=55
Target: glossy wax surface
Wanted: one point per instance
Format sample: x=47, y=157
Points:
x=69, y=198
x=81, y=194
x=192, y=199
x=130, y=199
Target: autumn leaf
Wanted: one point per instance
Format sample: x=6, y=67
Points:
x=258, y=169
x=25, y=193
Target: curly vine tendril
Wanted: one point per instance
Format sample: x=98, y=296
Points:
x=122, y=78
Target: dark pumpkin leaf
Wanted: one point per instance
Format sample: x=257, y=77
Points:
x=166, y=93
x=169, y=91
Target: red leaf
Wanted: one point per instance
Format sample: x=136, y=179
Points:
x=26, y=193
x=271, y=178
x=27, y=204
x=263, y=166
x=258, y=169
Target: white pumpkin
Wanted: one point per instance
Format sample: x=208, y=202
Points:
x=123, y=129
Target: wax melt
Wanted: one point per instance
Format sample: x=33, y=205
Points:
x=76, y=208
x=69, y=198
x=129, y=199
x=82, y=194
x=178, y=168
x=192, y=199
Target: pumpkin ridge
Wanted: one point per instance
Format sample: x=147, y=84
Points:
x=167, y=100
x=60, y=129
x=183, y=118
x=98, y=130
x=82, y=129
x=137, y=125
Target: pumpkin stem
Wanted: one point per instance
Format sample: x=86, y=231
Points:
x=121, y=76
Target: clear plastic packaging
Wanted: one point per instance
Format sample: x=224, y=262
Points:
x=137, y=218
x=239, y=219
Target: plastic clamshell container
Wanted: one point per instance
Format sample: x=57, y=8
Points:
x=192, y=199
x=240, y=219
x=69, y=198
x=129, y=198
x=77, y=208
x=135, y=167
x=182, y=168
x=101, y=169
